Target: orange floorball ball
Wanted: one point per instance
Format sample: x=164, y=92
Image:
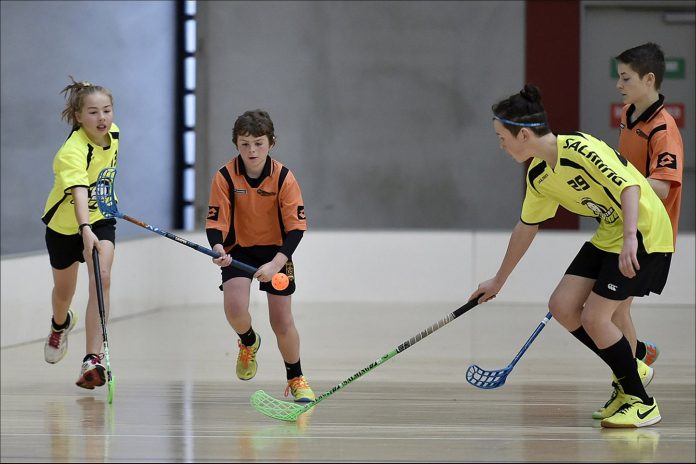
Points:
x=280, y=281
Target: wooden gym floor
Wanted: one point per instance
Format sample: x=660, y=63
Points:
x=177, y=398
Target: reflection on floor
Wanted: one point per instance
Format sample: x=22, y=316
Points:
x=177, y=398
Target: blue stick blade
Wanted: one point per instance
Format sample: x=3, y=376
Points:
x=486, y=379
x=104, y=191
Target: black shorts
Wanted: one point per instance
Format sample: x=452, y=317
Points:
x=603, y=266
x=64, y=250
x=257, y=256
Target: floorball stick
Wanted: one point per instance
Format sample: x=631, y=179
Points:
x=102, y=317
x=486, y=379
x=106, y=199
x=284, y=410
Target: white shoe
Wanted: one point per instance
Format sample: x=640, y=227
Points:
x=57, y=341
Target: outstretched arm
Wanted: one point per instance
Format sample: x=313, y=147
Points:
x=520, y=239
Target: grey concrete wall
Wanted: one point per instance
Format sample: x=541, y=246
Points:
x=126, y=46
x=382, y=109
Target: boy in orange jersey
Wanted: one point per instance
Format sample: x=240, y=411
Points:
x=256, y=215
x=650, y=140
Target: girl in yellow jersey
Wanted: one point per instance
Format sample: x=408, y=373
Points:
x=629, y=254
x=74, y=224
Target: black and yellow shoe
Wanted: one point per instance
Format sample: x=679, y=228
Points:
x=617, y=398
x=634, y=413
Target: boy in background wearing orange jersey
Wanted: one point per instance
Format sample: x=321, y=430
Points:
x=256, y=216
x=650, y=140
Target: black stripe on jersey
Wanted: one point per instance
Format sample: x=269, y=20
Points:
x=281, y=179
x=232, y=235
x=533, y=223
x=574, y=165
x=114, y=135
x=90, y=154
x=661, y=127
x=51, y=212
x=535, y=172
x=620, y=157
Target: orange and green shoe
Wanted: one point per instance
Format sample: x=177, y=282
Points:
x=300, y=389
x=246, y=360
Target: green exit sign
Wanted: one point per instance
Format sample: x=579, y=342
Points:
x=675, y=68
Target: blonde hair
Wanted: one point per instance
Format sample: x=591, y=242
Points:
x=75, y=94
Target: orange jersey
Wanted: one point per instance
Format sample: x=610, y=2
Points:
x=653, y=144
x=252, y=212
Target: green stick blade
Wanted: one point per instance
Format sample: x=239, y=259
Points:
x=277, y=409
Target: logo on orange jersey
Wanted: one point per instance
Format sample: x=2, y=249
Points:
x=213, y=212
x=290, y=270
x=301, y=213
x=264, y=193
x=667, y=160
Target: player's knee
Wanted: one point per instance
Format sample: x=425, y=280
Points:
x=558, y=309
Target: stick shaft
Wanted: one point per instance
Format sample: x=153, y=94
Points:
x=102, y=318
x=100, y=292
x=408, y=343
x=239, y=265
x=531, y=338
x=106, y=200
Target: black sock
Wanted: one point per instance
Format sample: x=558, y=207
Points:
x=586, y=340
x=620, y=358
x=248, y=338
x=63, y=326
x=640, y=349
x=293, y=370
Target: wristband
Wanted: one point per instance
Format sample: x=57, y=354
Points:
x=86, y=224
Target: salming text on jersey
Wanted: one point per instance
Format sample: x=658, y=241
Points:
x=588, y=179
x=583, y=149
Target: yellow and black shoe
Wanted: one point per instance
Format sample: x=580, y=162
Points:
x=634, y=413
x=645, y=372
x=616, y=400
